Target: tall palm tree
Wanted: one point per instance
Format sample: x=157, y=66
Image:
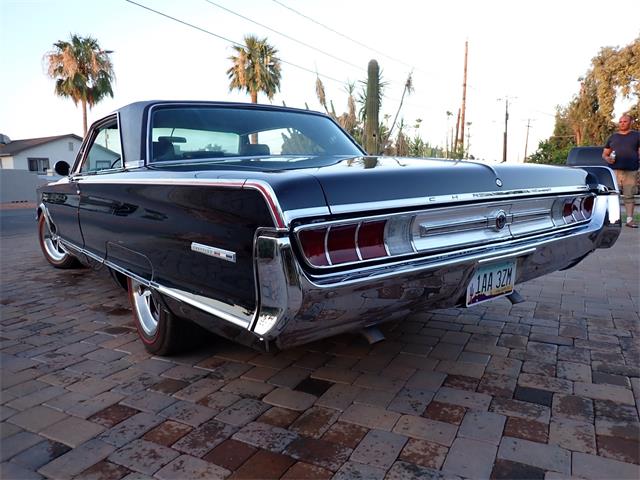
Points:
x=255, y=68
x=408, y=90
x=82, y=71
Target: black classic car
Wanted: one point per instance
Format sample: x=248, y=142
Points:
x=272, y=227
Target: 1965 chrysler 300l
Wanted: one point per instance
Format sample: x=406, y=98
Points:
x=271, y=226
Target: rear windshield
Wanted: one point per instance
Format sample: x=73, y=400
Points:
x=235, y=134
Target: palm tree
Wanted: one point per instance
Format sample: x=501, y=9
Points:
x=82, y=71
x=408, y=90
x=255, y=68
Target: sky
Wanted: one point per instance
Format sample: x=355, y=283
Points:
x=532, y=53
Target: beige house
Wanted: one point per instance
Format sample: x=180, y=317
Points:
x=38, y=155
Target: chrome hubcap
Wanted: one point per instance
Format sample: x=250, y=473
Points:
x=52, y=244
x=147, y=308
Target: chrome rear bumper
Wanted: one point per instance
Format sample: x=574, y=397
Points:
x=296, y=307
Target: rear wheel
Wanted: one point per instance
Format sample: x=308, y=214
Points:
x=52, y=248
x=161, y=332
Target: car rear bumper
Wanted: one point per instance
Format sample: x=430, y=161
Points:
x=296, y=307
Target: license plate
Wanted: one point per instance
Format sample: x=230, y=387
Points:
x=491, y=281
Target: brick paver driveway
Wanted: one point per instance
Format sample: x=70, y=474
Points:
x=548, y=388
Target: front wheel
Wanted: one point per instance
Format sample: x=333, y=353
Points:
x=52, y=248
x=161, y=332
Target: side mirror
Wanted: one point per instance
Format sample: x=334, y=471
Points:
x=62, y=168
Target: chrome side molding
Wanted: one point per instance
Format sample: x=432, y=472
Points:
x=231, y=313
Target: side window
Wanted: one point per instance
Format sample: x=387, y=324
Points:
x=105, y=151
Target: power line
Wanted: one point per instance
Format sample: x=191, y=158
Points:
x=239, y=44
x=357, y=43
x=342, y=34
x=286, y=36
x=233, y=42
x=298, y=41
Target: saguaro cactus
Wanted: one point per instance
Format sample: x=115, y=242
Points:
x=371, y=140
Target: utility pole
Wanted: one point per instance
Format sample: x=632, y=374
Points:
x=449, y=114
x=468, y=138
x=506, y=125
x=526, y=141
x=464, y=98
x=456, y=149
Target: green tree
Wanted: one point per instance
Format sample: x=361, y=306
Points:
x=255, y=68
x=82, y=70
x=614, y=74
x=549, y=152
x=585, y=114
x=555, y=149
x=588, y=118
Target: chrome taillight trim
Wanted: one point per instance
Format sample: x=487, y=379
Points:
x=326, y=246
x=328, y=226
x=358, y=242
x=515, y=221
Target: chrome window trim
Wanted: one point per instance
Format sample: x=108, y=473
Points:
x=160, y=106
x=167, y=181
x=452, y=199
x=89, y=138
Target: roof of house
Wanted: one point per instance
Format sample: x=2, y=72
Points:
x=17, y=146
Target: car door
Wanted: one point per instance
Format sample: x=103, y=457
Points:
x=61, y=200
x=99, y=196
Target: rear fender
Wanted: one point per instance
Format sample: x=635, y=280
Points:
x=601, y=176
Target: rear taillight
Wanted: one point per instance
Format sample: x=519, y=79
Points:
x=344, y=244
x=574, y=209
x=587, y=206
x=371, y=240
x=341, y=244
x=313, y=246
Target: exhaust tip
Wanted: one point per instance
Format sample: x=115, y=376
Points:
x=515, y=297
x=372, y=335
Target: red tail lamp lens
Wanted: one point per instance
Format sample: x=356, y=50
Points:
x=587, y=207
x=341, y=244
x=371, y=240
x=567, y=210
x=312, y=242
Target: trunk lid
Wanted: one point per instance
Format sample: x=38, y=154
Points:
x=373, y=183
